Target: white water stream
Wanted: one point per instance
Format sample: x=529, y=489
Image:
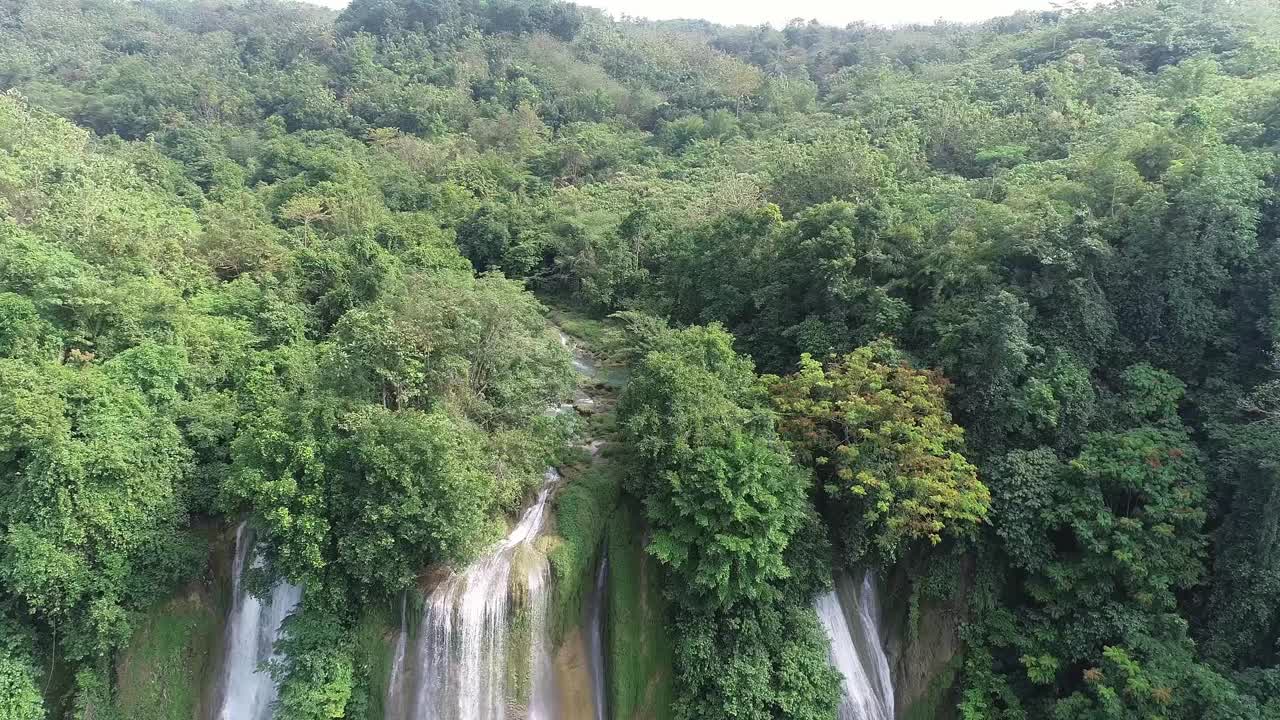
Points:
x=461, y=665
x=245, y=689
x=850, y=614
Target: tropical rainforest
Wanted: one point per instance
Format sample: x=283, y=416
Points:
x=991, y=309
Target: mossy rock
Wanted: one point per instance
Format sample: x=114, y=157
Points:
x=519, y=658
x=639, y=647
x=169, y=669
x=938, y=700
x=166, y=671
x=376, y=635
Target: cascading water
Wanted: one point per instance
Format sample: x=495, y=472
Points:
x=459, y=668
x=581, y=362
x=246, y=691
x=397, y=702
x=482, y=650
x=850, y=614
x=595, y=640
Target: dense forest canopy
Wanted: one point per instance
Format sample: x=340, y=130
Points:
x=992, y=306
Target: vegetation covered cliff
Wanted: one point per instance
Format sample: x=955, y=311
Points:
x=992, y=309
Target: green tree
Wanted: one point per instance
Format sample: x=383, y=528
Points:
x=878, y=434
x=730, y=518
x=92, y=503
x=716, y=486
x=19, y=696
x=314, y=667
x=835, y=280
x=767, y=662
x=424, y=494
x=23, y=333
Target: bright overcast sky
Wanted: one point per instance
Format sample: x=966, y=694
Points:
x=830, y=12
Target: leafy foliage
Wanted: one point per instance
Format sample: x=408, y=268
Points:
x=769, y=662
x=315, y=670
x=728, y=513
x=879, y=435
x=266, y=260
x=19, y=696
x=715, y=484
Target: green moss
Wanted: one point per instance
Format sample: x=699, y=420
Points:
x=602, y=425
x=375, y=638
x=163, y=673
x=602, y=334
x=639, y=647
x=93, y=698
x=582, y=511
x=930, y=705
x=571, y=457
x=520, y=656
x=414, y=611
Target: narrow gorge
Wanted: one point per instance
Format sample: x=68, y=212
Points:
x=478, y=643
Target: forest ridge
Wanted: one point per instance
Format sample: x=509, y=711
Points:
x=993, y=309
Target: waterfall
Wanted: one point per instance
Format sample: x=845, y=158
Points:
x=395, y=707
x=595, y=640
x=462, y=665
x=483, y=647
x=246, y=691
x=850, y=614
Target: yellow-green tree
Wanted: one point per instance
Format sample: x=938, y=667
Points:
x=878, y=434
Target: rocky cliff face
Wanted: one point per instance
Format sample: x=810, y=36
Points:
x=638, y=648
x=925, y=659
x=168, y=668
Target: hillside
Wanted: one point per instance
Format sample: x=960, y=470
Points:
x=991, y=311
